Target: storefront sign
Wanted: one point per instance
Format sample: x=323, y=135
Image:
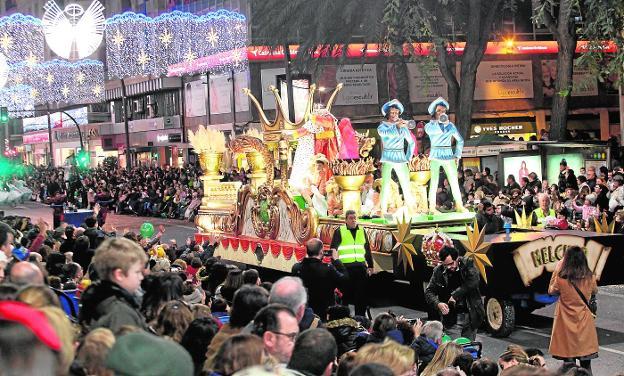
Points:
x=584, y=83
x=426, y=83
x=35, y=138
x=504, y=128
x=359, y=84
x=174, y=137
x=72, y=134
x=533, y=258
x=503, y=80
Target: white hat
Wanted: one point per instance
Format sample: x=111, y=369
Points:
x=437, y=102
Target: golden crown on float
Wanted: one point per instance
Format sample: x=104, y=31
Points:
x=273, y=130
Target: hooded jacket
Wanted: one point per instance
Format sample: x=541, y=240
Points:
x=107, y=305
x=345, y=332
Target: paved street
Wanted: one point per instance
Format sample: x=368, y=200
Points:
x=533, y=332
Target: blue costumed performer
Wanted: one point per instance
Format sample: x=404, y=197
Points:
x=441, y=133
x=393, y=133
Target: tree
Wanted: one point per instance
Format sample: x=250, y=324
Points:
x=560, y=19
x=319, y=26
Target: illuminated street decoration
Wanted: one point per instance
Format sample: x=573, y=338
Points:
x=137, y=45
x=4, y=70
x=61, y=81
x=18, y=101
x=73, y=33
x=21, y=38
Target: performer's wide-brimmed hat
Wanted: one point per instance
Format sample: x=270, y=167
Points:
x=437, y=102
x=321, y=158
x=395, y=102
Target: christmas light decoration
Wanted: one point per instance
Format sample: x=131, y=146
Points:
x=21, y=38
x=18, y=100
x=73, y=33
x=4, y=70
x=137, y=45
x=53, y=81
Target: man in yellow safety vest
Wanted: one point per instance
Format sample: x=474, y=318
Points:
x=353, y=249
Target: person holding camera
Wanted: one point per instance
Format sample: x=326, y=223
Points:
x=453, y=291
x=319, y=278
x=353, y=248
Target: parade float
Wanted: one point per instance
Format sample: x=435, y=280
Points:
x=266, y=223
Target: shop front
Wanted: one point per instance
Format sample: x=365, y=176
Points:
x=67, y=143
x=36, y=148
x=520, y=130
x=161, y=147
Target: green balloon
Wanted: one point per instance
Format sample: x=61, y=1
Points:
x=147, y=230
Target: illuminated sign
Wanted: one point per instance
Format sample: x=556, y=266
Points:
x=57, y=119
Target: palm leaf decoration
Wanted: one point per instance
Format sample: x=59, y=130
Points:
x=404, y=247
x=523, y=221
x=476, y=248
x=603, y=226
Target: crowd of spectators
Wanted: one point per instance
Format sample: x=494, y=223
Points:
x=84, y=301
x=144, y=191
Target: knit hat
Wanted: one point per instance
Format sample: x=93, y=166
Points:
x=141, y=353
x=33, y=320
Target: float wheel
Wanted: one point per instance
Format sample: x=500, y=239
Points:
x=500, y=316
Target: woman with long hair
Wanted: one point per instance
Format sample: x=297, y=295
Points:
x=159, y=289
x=574, y=330
x=238, y=352
x=233, y=282
x=444, y=357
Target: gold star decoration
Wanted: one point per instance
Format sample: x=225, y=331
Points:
x=6, y=42
x=80, y=78
x=65, y=91
x=213, y=37
x=603, y=226
x=166, y=38
x=237, y=57
x=31, y=60
x=34, y=93
x=97, y=90
x=404, y=247
x=523, y=221
x=190, y=56
x=49, y=78
x=476, y=248
x=118, y=39
x=143, y=59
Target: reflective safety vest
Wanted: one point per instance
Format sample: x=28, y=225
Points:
x=540, y=215
x=351, y=250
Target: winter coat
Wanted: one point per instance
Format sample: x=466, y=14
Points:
x=345, y=332
x=320, y=279
x=425, y=349
x=468, y=289
x=105, y=304
x=574, y=330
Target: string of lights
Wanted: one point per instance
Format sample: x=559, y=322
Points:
x=17, y=100
x=21, y=39
x=59, y=81
x=4, y=70
x=137, y=45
